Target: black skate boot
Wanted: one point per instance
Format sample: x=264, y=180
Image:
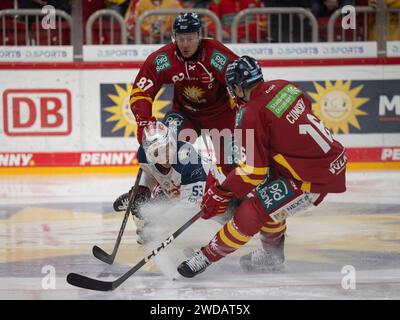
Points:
x=195, y=265
x=121, y=203
x=271, y=260
x=142, y=197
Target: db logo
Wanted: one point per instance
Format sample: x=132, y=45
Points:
x=37, y=112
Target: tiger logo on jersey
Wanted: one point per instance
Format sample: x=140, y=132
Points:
x=193, y=93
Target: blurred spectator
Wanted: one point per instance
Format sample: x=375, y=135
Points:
x=39, y=4
x=189, y=4
x=132, y=15
x=393, y=32
x=91, y=6
x=119, y=6
x=324, y=8
x=130, y=20
x=155, y=29
x=226, y=10
x=274, y=35
x=64, y=5
x=7, y=4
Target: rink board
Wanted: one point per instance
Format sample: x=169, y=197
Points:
x=74, y=117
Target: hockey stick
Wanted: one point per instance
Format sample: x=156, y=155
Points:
x=99, y=285
x=100, y=253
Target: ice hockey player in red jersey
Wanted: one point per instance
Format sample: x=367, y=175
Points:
x=196, y=68
x=290, y=165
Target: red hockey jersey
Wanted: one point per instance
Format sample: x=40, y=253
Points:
x=289, y=138
x=199, y=85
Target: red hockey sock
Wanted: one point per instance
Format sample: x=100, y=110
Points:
x=226, y=241
x=271, y=234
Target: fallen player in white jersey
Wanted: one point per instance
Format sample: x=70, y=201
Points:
x=172, y=170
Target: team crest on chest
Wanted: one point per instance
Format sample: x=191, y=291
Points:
x=193, y=93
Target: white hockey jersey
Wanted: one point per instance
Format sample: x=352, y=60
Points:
x=186, y=178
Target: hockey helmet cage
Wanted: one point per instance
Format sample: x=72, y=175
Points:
x=158, y=143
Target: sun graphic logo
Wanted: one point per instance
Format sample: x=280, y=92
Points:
x=116, y=116
x=193, y=93
x=337, y=105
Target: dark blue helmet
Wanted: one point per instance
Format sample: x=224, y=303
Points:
x=244, y=72
x=187, y=22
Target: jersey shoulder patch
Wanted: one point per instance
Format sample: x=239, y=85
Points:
x=162, y=62
x=161, y=58
x=218, y=60
x=283, y=99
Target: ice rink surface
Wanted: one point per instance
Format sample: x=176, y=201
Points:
x=48, y=225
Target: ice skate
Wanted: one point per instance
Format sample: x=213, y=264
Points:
x=121, y=203
x=271, y=260
x=195, y=265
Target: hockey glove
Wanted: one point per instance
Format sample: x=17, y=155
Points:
x=141, y=197
x=141, y=124
x=215, y=200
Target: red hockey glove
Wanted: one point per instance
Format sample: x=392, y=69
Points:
x=215, y=200
x=141, y=124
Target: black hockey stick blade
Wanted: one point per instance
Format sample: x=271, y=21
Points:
x=102, y=255
x=81, y=281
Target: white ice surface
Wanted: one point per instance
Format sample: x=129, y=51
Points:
x=55, y=220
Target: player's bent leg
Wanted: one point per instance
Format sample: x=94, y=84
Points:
x=275, y=201
x=228, y=239
x=272, y=203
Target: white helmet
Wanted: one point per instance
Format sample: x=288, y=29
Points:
x=159, y=144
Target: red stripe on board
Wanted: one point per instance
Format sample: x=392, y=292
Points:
x=138, y=64
x=67, y=159
x=373, y=154
x=128, y=158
